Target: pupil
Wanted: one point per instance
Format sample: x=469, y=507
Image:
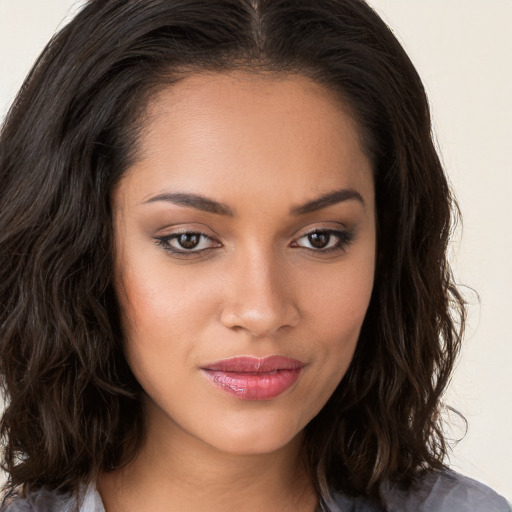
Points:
x=319, y=240
x=188, y=240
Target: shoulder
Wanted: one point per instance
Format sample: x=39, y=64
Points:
x=46, y=500
x=440, y=491
x=436, y=491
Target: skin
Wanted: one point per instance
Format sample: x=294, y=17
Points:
x=255, y=285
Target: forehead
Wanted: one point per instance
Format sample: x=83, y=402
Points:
x=248, y=100
x=283, y=132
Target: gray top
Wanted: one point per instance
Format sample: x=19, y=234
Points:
x=437, y=492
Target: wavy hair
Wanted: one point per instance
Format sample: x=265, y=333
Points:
x=72, y=405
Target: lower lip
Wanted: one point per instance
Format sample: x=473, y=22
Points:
x=254, y=386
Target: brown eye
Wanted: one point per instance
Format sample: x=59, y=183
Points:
x=189, y=240
x=324, y=241
x=319, y=239
x=188, y=244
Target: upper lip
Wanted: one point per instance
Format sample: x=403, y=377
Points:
x=249, y=364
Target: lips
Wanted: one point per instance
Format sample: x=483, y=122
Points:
x=251, y=378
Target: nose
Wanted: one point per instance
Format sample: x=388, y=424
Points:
x=260, y=297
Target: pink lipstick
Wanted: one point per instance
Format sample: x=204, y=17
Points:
x=252, y=378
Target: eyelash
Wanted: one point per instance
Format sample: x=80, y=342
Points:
x=344, y=239
x=165, y=243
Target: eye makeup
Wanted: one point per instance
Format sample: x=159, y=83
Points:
x=192, y=243
x=325, y=241
x=187, y=243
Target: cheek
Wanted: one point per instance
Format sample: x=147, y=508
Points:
x=149, y=310
x=157, y=295
x=336, y=313
x=165, y=310
x=337, y=310
x=340, y=304
x=154, y=334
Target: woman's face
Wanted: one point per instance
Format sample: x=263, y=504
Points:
x=245, y=252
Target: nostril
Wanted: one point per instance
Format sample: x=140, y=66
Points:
x=258, y=322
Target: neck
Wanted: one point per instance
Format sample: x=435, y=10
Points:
x=181, y=473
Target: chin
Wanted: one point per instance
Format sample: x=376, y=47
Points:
x=255, y=436
x=259, y=443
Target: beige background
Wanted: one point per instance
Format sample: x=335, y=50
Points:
x=463, y=51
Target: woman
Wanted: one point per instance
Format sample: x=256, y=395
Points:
x=225, y=283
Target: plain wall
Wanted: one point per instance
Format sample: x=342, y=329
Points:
x=462, y=49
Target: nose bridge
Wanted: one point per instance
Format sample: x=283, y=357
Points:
x=261, y=299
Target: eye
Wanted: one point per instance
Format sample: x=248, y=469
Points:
x=187, y=243
x=325, y=240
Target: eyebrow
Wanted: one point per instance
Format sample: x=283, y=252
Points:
x=205, y=204
x=193, y=201
x=329, y=199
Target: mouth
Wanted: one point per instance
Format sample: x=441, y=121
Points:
x=252, y=378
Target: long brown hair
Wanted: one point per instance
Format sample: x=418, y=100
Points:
x=72, y=403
